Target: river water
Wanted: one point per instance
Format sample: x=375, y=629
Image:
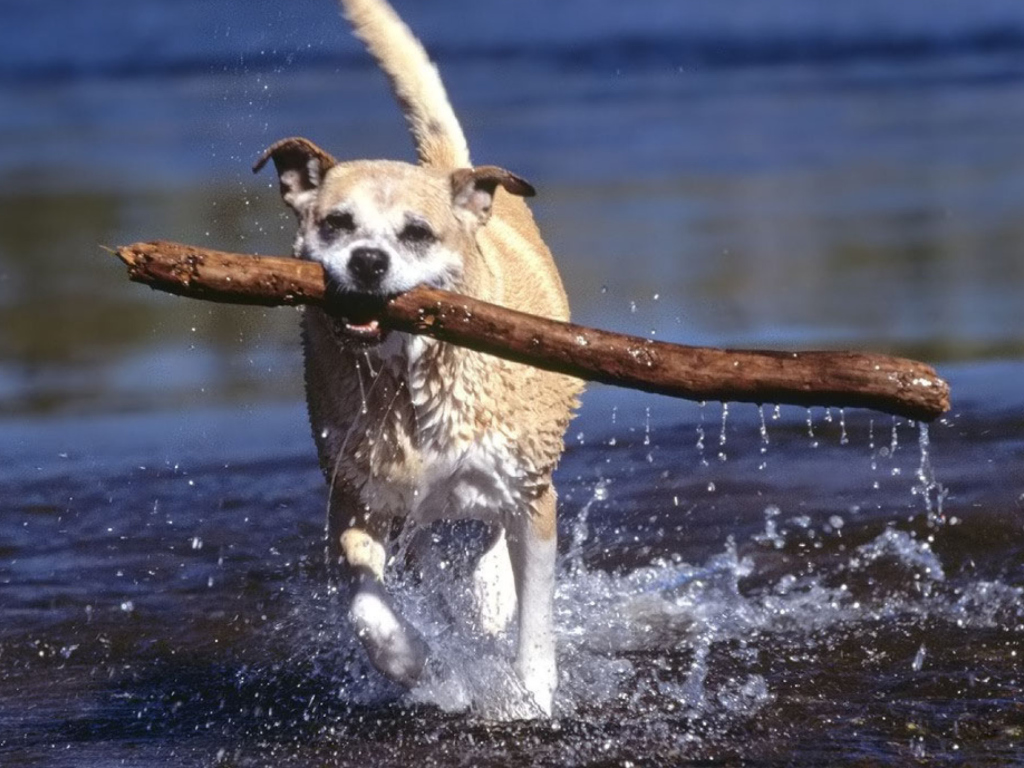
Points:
x=737, y=585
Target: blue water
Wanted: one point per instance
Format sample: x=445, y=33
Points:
x=841, y=590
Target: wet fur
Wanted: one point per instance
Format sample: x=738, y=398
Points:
x=411, y=428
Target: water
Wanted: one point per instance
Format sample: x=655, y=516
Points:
x=843, y=590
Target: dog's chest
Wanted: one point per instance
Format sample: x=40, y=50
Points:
x=481, y=480
x=459, y=459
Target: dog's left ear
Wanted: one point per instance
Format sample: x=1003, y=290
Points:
x=473, y=189
x=301, y=166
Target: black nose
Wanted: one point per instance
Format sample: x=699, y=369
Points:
x=368, y=266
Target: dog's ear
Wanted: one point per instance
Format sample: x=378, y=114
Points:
x=301, y=166
x=473, y=189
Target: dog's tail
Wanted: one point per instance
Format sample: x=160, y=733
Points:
x=414, y=79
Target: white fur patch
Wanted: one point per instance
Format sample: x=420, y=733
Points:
x=494, y=588
x=479, y=481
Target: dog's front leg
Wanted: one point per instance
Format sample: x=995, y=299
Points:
x=395, y=647
x=532, y=549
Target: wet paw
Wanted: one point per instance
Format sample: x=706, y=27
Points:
x=540, y=684
x=394, y=646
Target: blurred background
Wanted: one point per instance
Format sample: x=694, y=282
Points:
x=793, y=174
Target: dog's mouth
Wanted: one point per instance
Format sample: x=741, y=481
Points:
x=356, y=317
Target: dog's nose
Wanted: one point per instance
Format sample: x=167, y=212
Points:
x=368, y=266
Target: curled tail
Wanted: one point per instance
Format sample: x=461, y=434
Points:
x=436, y=132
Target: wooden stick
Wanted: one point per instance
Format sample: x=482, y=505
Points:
x=838, y=379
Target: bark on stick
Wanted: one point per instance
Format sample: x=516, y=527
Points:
x=838, y=379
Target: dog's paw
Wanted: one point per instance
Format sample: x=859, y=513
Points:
x=394, y=646
x=540, y=681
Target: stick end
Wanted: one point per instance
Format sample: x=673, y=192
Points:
x=123, y=252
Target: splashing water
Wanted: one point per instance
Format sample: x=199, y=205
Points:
x=670, y=632
x=656, y=633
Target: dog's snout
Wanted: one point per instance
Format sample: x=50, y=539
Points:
x=368, y=266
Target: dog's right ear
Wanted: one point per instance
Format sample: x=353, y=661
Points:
x=473, y=189
x=301, y=166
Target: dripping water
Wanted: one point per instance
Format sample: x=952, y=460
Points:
x=874, y=455
x=763, y=427
x=894, y=444
x=721, y=436
x=933, y=493
x=700, y=435
x=810, y=429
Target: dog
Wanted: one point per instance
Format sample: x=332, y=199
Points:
x=407, y=427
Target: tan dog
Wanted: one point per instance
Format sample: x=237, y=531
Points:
x=407, y=427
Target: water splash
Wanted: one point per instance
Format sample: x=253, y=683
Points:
x=580, y=529
x=771, y=533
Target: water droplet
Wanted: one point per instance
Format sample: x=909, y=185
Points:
x=919, y=658
x=771, y=533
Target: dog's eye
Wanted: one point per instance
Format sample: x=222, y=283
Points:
x=336, y=222
x=415, y=233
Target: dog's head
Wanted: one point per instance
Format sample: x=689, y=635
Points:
x=381, y=227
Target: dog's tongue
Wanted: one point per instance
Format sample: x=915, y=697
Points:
x=370, y=327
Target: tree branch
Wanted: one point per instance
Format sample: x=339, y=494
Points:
x=838, y=379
